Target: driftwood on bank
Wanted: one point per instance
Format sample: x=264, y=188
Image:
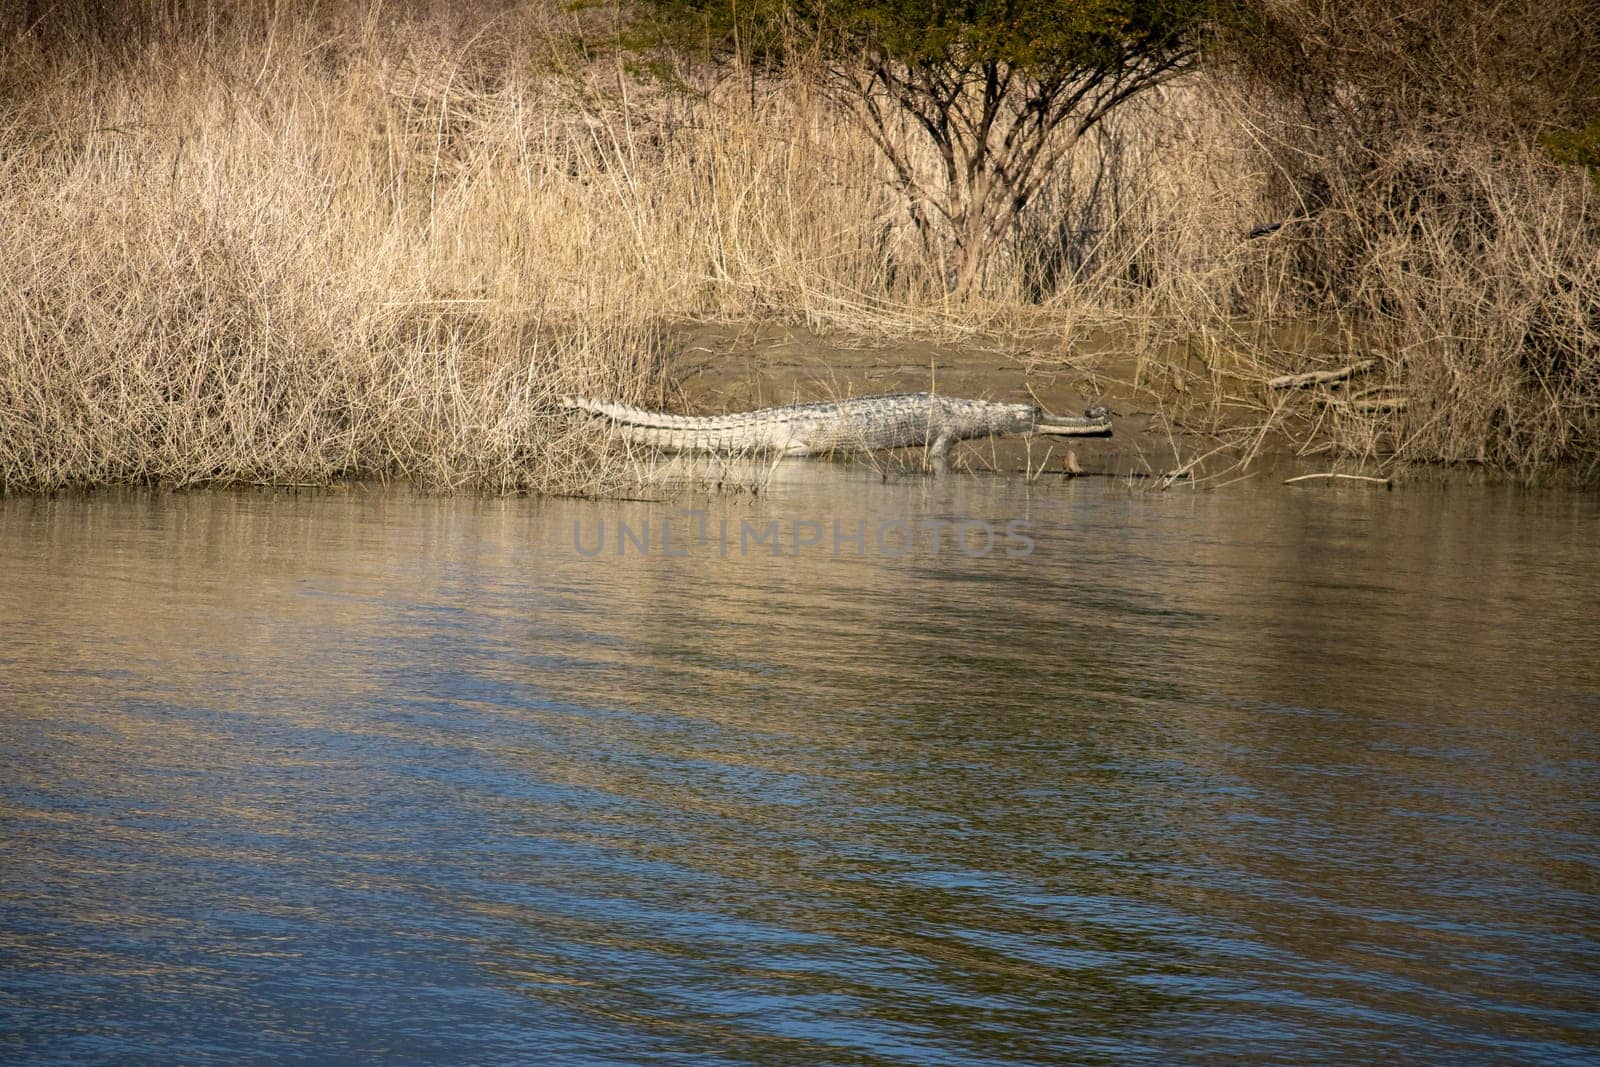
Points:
x=1320, y=377
x=1372, y=405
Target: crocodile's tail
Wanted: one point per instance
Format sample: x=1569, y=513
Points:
x=742, y=432
x=630, y=415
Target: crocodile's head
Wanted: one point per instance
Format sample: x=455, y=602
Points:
x=1075, y=425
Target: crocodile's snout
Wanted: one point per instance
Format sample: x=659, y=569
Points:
x=1094, y=422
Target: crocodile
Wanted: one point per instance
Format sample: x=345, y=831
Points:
x=855, y=424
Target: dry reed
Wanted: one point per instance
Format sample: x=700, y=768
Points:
x=248, y=247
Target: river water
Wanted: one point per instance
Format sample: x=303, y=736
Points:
x=1259, y=775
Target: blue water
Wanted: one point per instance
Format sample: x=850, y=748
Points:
x=1264, y=775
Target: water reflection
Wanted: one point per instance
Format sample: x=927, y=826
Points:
x=1249, y=775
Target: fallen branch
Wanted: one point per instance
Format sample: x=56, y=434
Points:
x=1367, y=406
x=1320, y=377
x=1347, y=477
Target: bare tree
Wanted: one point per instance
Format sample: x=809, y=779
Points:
x=1000, y=90
x=997, y=128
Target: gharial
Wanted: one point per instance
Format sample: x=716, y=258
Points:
x=855, y=424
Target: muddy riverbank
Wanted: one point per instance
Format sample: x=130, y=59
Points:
x=1176, y=410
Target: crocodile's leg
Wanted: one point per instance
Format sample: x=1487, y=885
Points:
x=939, y=453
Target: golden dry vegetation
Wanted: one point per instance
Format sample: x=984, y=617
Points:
x=275, y=243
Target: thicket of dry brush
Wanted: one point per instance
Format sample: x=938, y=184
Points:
x=1413, y=142
x=285, y=243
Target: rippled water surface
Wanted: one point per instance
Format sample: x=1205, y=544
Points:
x=1259, y=775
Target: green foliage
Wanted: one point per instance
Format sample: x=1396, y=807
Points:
x=1576, y=148
x=1043, y=37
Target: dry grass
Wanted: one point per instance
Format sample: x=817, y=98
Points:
x=255, y=248
x=1476, y=276
x=275, y=255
